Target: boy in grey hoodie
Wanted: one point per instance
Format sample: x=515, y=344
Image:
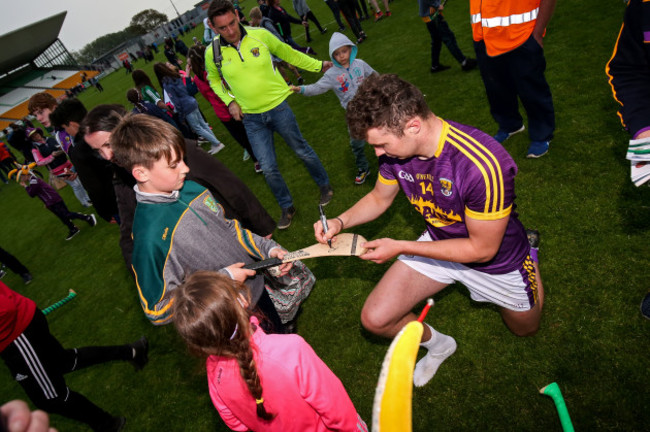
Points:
x=344, y=80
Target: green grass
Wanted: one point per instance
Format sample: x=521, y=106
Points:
x=594, y=256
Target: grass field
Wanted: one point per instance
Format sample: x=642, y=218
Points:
x=594, y=255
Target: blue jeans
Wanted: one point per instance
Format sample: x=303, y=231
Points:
x=79, y=191
x=358, y=149
x=260, y=129
x=200, y=127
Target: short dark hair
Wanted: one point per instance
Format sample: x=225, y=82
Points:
x=385, y=101
x=103, y=118
x=143, y=140
x=220, y=7
x=69, y=110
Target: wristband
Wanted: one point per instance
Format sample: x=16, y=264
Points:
x=342, y=224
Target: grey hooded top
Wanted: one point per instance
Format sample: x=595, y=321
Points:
x=344, y=82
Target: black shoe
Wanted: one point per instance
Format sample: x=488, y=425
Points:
x=326, y=194
x=91, y=219
x=439, y=68
x=533, y=238
x=323, y=30
x=141, y=355
x=27, y=278
x=73, y=232
x=469, y=64
x=287, y=216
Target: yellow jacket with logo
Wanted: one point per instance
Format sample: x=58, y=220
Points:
x=248, y=72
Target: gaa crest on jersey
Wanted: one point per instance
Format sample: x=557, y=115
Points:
x=210, y=203
x=255, y=51
x=445, y=186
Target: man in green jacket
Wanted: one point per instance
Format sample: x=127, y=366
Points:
x=240, y=70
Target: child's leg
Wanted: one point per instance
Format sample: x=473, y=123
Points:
x=62, y=212
x=361, y=160
x=362, y=4
x=307, y=36
x=374, y=4
x=311, y=16
x=79, y=191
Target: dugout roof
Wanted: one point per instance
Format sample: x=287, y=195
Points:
x=23, y=45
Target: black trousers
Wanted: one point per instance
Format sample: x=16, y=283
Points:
x=310, y=16
x=518, y=74
x=61, y=211
x=441, y=33
x=38, y=361
x=350, y=15
x=12, y=262
x=334, y=6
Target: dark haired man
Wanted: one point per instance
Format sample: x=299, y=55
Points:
x=94, y=172
x=256, y=94
x=461, y=181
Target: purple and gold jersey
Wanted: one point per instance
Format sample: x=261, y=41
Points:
x=472, y=175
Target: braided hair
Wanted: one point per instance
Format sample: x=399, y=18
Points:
x=210, y=317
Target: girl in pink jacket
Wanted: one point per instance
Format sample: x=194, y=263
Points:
x=258, y=382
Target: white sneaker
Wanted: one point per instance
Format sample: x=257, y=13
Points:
x=428, y=365
x=246, y=155
x=216, y=149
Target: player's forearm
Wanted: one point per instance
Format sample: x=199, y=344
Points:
x=367, y=209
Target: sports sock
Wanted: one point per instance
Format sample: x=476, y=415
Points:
x=439, y=347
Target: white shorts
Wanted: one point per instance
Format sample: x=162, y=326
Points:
x=516, y=290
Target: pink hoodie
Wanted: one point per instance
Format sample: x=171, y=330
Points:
x=297, y=386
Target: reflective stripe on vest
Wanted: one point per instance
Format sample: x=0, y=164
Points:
x=505, y=21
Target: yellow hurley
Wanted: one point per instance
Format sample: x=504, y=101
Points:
x=392, y=409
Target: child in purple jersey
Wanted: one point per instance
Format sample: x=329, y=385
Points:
x=36, y=187
x=462, y=183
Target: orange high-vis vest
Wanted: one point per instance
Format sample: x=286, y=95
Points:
x=503, y=24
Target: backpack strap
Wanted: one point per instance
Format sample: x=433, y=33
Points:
x=218, y=58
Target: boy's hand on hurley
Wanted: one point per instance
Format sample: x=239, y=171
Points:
x=238, y=273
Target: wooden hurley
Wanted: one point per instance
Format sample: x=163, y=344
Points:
x=346, y=244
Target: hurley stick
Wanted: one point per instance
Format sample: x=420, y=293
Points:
x=553, y=390
x=346, y=244
x=70, y=296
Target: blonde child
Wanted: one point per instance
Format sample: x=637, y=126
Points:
x=257, y=381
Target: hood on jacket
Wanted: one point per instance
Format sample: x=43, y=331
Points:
x=337, y=41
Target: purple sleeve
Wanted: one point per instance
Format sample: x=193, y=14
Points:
x=385, y=168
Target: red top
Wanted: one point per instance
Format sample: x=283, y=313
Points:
x=220, y=108
x=4, y=152
x=16, y=312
